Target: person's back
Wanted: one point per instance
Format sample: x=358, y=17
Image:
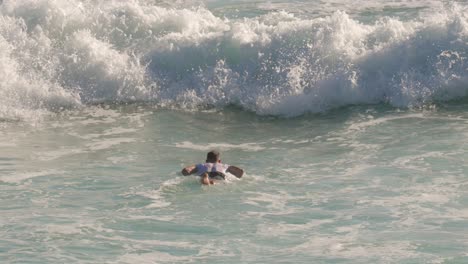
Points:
x=212, y=169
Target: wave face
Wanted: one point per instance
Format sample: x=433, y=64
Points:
x=67, y=53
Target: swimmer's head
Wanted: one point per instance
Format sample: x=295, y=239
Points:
x=212, y=156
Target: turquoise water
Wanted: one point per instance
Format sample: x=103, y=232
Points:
x=349, y=119
x=362, y=184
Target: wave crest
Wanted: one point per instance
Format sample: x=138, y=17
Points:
x=59, y=54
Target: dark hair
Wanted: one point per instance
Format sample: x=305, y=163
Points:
x=212, y=156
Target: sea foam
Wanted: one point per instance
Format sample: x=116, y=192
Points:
x=61, y=54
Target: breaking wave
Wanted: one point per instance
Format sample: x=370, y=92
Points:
x=64, y=54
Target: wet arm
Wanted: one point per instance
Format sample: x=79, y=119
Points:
x=238, y=172
x=189, y=170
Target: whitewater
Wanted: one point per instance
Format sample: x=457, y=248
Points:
x=349, y=118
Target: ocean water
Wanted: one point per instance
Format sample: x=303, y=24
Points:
x=349, y=117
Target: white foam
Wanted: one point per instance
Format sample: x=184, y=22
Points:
x=282, y=229
x=223, y=146
x=347, y=246
x=276, y=203
x=416, y=162
x=120, y=160
x=61, y=54
x=149, y=258
x=23, y=176
x=157, y=195
x=56, y=154
x=106, y=143
x=370, y=121
x=327, y=7
x=108, y=132
x=374, y=122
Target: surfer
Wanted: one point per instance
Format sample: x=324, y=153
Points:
x=212, y=169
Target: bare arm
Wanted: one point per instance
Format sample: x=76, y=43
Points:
x=189, y=170
x=238, y=172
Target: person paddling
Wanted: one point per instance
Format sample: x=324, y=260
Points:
x=212, y=169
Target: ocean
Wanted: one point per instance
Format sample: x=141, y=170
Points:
x=350, y=119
